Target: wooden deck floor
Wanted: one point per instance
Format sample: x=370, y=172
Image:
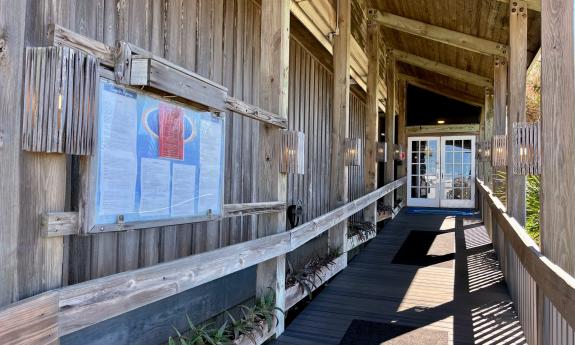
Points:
x=463, y=293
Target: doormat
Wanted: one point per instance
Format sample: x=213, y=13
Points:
x=426, y=248
x=463, y=212
x=362, y=332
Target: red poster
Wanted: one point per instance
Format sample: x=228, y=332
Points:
x=171, y=132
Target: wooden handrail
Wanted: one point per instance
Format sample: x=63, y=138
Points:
x=556, y=284
x=72, y=308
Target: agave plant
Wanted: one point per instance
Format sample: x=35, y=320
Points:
x=201, y=335
x=309, y=275
x=361, y=229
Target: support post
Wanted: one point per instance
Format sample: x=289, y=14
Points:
x=275, y=30
x=558, y=133
x=371, y=119
x=340, y=120
x=517, y=79
x=499, y=114
x=402, y=132
x=390, y=125
x=488, y=134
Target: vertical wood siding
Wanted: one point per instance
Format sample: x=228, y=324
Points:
x=217, y=39
x=356, y=186
x=309, y=111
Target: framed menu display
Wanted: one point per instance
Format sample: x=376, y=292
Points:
x=157, y=162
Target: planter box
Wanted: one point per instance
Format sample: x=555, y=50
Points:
x=259, y=338
x=355, y=241
x=383, y=215
x=296, y=293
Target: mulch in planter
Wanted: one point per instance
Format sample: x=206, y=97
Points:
x=415, y=250
x=362, y=332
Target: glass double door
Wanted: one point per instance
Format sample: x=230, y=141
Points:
x=441, y=171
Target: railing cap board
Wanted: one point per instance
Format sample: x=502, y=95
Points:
x=556, y=284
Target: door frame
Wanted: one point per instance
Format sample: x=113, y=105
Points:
x=417, y=202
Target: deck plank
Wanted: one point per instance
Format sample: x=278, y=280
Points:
x=467, y=298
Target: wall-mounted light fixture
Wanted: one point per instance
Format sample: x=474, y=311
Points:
x=293, y=150
x=526, y=148
x=486, y=151
x=352, y=151
x=440, y=122
x=59, y=100
x=398, y=152
x=381, y=154
x=499, y=151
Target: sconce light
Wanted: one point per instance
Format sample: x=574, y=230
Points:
x=526, y=148
x=486, y=151
x=352, y=151
x=398, y=152
x=381, y=154
x=59, y=101
x=292, y=160
x=499, y=151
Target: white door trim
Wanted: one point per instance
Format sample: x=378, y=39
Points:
x=418, y=202
x=457, y=203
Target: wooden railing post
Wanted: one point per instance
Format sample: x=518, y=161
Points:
x=340, y=120
x=371, y=118
x=275, y=27
x=390, y=79
x=488, y=133
x=499, y=111
x=402, y=132
x=517, y=78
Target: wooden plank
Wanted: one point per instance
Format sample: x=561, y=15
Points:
x=60, y=224
x=557, y=90
x=296, y=293
x=556, y=284
x=31, y=321
x=234, y=210
x=440, y=68
x=254, y=112
x=371, y=119
x=340, y=122
x=428, y=129
x=517, y=79
x=534, y=5
x=402, y=132
x=59, y=36
x=356, y=241
x=439, y=34
x=12, y=17
x=273, y=95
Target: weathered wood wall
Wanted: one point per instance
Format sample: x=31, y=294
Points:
x=192, y=34
x=357, y=111
x=309, y=111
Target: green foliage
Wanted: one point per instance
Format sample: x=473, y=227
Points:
x=361, y=229
x=533, y=207
x=253, y=320
x=309, y=275
x=500, y=185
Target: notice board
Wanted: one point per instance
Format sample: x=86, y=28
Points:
x=157, y=160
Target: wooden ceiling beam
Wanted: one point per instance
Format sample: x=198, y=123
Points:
x=439, y=34
x=441, y=90
x=440, y=68
x=534, y=5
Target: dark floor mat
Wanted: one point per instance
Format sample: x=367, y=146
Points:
x=426, y=248
x=362, y=332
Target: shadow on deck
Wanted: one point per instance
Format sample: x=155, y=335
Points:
x=453, y=292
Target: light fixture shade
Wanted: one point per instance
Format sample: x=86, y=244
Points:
x=293, y=152
x=398, y=152
x=352, y=151
x=59, y=101
x=499, y=151
x=526, y=146
x=381, y=154
x=486, y=151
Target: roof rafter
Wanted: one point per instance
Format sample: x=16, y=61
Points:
x=440, y=68
x=441, y=90
x=439, y=34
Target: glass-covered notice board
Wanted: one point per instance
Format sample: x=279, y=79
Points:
x=158, y=162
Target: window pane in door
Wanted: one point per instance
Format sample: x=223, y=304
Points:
x=448, y=159
x=457, y=157
x=414, y=192
x=414, y=180
x=467, y=145
x=415, y=146
x=449, y=145
x=414, y=169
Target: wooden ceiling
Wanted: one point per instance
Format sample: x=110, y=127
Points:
x=486, y=19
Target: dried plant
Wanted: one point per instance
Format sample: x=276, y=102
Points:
x=309, y=275
x=361, y=229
